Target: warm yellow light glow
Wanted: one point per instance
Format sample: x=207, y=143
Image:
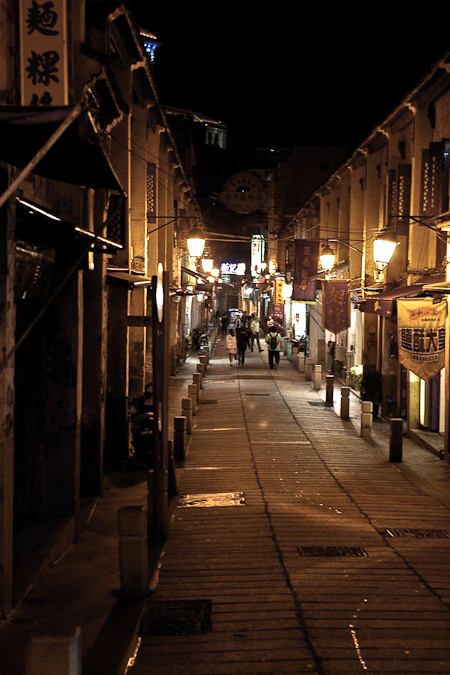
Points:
x=422, y=410
x=383, y=248
x=215, y=272
x=287, y=291
x=327, y=258
x=195, y=243
x=207, y=263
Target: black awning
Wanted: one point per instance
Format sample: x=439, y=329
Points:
x=77, y=157
x=192, y=273
x=383, y=303
x=127, y=280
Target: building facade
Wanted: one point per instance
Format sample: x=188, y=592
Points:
x=96, y=198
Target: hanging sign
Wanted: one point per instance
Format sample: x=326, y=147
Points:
x=336, y=305
x=421, y=336
x=43, y=49
x=305, y=269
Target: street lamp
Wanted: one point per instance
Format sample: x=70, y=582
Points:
x=195, y=243
x=327, y=258
x=207, y=263
x=384, y=246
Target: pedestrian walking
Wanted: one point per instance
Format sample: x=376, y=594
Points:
x=243, y=341
x=231, y=346
x=225, y=320
x=254, y=327
x=273, y=340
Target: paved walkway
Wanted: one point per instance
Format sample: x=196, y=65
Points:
x=295, y=547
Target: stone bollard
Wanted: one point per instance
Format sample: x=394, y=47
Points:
x=308, y=369
x=179, y=438
x=366, y=418
x=193, y=395
x=396, y=439
x=54, y=647
x=197, y=378
x=186, y=411
x=329, y=391
x=204, y=360
x=201, y=370
x=133, y=552
x=317, y=377
x=345, y=403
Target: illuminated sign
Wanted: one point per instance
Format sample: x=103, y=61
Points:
x=232, y=268
x=257, y=255
x=43, y=50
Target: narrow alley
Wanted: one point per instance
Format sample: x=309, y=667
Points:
x=296, y=547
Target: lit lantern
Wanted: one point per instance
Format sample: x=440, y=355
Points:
x=383, y=248
x=195, y=243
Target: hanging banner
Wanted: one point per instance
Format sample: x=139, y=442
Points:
x=305, y=270
x=277, y=304
x=336, y=305
x=421, y=336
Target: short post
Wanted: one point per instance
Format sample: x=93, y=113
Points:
x=186, y=411
x=193, y=395
x=179, y=438
x=197, y=379
x=366, y=418
x=329, y=391
x=204, y=360
x=345, y=403
x=396, y=439
x=133, y=552
x=308, y=369
x=317, y=377
x=54, y=647
x=201, y=370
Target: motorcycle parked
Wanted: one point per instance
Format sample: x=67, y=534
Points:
x=141, y=414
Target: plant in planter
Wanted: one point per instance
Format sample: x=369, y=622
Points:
x=354, y=375
x=371, y=388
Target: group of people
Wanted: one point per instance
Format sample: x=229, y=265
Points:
x=246, y=334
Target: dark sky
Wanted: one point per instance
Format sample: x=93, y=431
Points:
x=282, y=77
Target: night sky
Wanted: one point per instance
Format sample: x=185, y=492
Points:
x=292, y=78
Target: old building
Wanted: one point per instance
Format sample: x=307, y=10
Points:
x=95, y=201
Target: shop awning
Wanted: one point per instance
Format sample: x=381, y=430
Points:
x=192, y=273
x=127, y=280
x=383, y=303
x=77, y=157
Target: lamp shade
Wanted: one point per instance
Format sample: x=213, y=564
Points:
x=327, y=258
x=383, y=247
x=195, y=243
x=207, y=263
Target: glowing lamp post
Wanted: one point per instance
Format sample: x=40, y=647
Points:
x=327, y=258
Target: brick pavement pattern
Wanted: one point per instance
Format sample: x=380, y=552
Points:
x=334, y=561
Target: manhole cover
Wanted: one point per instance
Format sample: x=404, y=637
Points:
x=415, y=533
x=176, y=618
x=217, y=499
x=332, y=552
x=205, y=401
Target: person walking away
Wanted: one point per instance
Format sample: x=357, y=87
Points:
x=273, y=340
x=225, y=320
x=243, y=341
x=330, y=355
x=254, y=327
x=231, y=346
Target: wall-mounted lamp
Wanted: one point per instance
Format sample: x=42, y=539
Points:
x=384, y=246
x=327, y=258
x=207, y=263
x=195, y=243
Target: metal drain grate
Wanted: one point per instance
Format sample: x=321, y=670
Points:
x=215, y=499
x=206, y=401
x=415, y=533
x=321, y=403
x=220, y=381
x=257, y=394
x=332, y=552
x=182, y=617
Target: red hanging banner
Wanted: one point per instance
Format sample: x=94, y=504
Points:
x=336, y=305
x=305, y=270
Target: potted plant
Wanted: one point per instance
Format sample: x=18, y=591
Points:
x=371, y=388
